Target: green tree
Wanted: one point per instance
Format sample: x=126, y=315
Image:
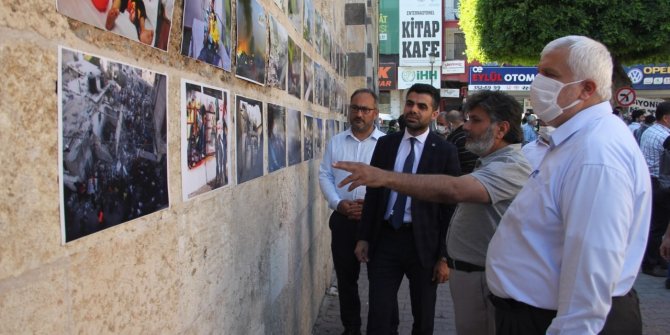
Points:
x=515, y=31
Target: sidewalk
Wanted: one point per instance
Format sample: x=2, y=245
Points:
x=654, y=305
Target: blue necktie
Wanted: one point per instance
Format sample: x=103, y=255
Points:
x=401, y=200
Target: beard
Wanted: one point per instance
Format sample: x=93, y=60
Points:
x=481, y=145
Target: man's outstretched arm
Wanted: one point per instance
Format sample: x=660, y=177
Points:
x=437, y=188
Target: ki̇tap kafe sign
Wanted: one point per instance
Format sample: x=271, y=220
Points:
x=420, y=32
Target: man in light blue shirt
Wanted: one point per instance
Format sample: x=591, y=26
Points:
x=354, y=144
x=529, y=134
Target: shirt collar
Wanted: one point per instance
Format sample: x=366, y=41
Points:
x=421, y=137
x=578, y=121
x=500, y=152
x=375, y=135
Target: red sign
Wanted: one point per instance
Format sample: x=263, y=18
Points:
x=387, y=76
x=625, y=96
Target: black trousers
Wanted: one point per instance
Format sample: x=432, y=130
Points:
x=395, y=256
x=660, y=216
x=347, y=268
x=517, y=318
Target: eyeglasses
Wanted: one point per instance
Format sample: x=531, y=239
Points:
x=362, y=109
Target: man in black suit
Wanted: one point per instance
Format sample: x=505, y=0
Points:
x=398, y=235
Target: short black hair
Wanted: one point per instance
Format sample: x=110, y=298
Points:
x=636, y=114
x=662, y=110
x=427, y=89
x=500, y=107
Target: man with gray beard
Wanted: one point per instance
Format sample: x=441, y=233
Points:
x=493, y=132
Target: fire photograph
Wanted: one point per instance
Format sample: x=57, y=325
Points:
x=206, y=33
x=251, y=41
x=249, y=120
x=113, y=142
x=145, y=21
x=205, y=138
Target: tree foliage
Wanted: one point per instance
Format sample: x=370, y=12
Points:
x=515, y=31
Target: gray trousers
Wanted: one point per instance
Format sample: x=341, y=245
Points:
x=474, y=312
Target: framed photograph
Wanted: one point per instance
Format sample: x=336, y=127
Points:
x=249, y=124
x=251, y=55
x=206, y=33
x=145, y=21
x=112, y=144
x=205, y=138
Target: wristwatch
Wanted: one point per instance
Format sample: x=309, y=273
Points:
x=443, y=259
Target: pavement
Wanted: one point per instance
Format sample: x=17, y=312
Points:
x=654, y=305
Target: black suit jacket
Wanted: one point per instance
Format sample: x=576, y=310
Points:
x=429, y=220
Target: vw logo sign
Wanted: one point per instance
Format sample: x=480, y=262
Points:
x=408, y=76
x=635, y=75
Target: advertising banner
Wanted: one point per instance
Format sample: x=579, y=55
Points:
x=497, y=78
x=388, y=27
x=388, y=76
x=408, y=76
x=649, y=77
x=420, y=32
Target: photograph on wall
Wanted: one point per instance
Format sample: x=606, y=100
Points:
x=308, y=21
x=318, y=138
x=112, y=142
x=249, y=125
x=326, y=44
x=318, y=31
x=319, y=74
x=308, y=137
x=278, y=63
x=144, y=21
x=294, y=10
x=308, y=73
x=251, y=54
x=276, y=137
x=206, y=33
x=330, y=129
x=294, y=68
x=294, y=136
x=205, y=138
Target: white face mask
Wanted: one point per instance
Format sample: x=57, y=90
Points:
x=440, y=129
x=545, y=132
x=544, y=97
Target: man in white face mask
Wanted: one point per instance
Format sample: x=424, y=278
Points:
x=570, y=266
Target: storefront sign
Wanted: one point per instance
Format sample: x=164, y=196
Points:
x=420, y=32
x=408, y=76
x=497, y=78
x=388, y=76
x=453, y=67
x=649, y=77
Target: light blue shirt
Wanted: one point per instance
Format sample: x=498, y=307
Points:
x=529, y=134
x=344, y=147
x=575, y=235
x=403, y=151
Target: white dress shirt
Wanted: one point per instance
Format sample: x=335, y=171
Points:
x=344, y=147
x=403, y=151
x=575, y=235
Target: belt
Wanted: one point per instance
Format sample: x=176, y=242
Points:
x=511, y=304
x=463, y=266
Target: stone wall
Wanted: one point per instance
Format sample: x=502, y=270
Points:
x=252, y=258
